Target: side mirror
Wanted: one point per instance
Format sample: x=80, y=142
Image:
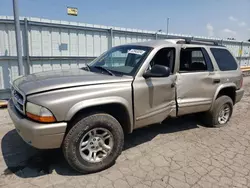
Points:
x=157, y=71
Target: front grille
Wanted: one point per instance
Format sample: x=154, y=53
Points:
x=18, y=100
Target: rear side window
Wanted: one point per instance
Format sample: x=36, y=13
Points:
x=224, y=58
x=195, y=60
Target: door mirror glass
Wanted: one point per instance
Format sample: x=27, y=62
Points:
x=157, y=71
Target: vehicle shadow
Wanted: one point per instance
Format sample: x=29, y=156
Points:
x=147, y=133
x=26, y=162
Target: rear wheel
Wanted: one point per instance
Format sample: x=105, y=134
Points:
x=221, y=112
x=93, y=143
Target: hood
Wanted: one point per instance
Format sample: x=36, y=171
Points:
x=51, y=80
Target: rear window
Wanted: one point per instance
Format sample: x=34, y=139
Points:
x=224, y=58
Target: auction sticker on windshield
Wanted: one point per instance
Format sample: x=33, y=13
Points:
x=137, y=52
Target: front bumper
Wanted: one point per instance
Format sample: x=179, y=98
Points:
x=239, y=95
x=38, y=135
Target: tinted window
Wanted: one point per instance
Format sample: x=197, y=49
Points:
x=194, y=59
x=225, y=60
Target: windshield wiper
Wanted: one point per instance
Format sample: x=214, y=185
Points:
x=103, y=68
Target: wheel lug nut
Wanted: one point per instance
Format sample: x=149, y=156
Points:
x=94, y=139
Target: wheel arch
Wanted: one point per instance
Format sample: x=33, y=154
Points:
x=225, y=89
x=118, y=107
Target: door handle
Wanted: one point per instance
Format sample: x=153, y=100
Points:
x=216, y=81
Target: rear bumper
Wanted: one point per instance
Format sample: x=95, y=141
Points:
x=239, y=95
x=38, y=135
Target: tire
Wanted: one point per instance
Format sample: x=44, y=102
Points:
x=212, y=116
x=78, y=132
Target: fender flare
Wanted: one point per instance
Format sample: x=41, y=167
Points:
x=101, y=101
x=222, y=86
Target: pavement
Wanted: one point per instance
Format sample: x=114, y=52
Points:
x=179, y=153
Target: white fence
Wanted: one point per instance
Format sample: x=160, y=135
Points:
x=53, y=44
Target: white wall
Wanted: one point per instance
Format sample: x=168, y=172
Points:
x=54, y=38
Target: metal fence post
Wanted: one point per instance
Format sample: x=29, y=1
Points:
x=111, y=38
x=26, y=35
x=241, y=49
x=18, y=37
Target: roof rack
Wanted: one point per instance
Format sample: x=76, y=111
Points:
x=203, y=42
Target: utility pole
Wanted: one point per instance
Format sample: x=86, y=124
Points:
x=167, y=25
x=18, y=38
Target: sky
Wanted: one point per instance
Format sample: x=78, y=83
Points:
x=213, y=18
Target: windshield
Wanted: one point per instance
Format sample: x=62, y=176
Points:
x=122, y=59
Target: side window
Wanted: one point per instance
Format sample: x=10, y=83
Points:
x=224, y=59
x=165, y=57
x=195, y=60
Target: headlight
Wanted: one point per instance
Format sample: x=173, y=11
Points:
x=39, y=113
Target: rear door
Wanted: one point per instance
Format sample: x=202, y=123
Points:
x=196, y=81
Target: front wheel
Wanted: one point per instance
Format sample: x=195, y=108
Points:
x=93, y=143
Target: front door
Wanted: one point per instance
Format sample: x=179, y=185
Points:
x=154, y=98
x=196, y=81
